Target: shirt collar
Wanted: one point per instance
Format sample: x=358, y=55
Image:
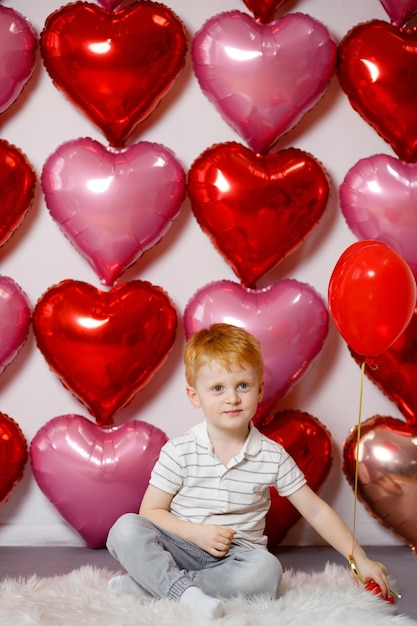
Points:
x=251, y=447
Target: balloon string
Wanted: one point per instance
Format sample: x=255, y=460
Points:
x=358, y=440
x=356, y=482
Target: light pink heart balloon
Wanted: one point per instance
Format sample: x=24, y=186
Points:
x=92, y=475
x=289, y=319
x=399, y=11
x=378, y=198
x=18, y=45
x=263, y=78
x=112, y=204
x=14, y=320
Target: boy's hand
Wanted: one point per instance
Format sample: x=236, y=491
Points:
x=373, y=572
x=213, y=539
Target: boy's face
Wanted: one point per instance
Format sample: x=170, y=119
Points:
x=228, y=399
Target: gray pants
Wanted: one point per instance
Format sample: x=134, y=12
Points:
x=165, y=565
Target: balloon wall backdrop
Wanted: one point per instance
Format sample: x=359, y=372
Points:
x=168, y=165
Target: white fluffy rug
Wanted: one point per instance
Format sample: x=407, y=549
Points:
x=321, y=599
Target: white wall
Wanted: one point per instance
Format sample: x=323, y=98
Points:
x=38, y=256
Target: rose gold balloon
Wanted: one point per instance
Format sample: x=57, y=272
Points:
x=387, y=473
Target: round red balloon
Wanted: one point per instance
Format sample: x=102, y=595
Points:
x=116, y=66
x=256, y=208
x=17, y=188
x=376, y=70
x=372, y=296
x=13, y=455
x=104, y=346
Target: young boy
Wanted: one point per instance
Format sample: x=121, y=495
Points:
x=199, y=536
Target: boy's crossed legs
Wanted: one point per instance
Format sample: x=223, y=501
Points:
x=166, y=565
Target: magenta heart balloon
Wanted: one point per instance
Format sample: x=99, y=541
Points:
x=112, y=204
x=92, y=475
x=399, y=11
x=18, y=45
x=263, y=78
x=378, y=200
x=14, y=320
x=289, y=319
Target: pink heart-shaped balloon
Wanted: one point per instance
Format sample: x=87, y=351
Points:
x=92, y=475
x=14, y=320
x=288, y=318
x=378, y=200
x=112, y=204
x=399, y=11
x=18, y=45
x=263, y=78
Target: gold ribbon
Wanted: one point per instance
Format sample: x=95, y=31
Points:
x=355, y=497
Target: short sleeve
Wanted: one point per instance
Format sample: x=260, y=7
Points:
x=167, y=473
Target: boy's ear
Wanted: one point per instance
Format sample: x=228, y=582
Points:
x=261, y=391
x=193, y=397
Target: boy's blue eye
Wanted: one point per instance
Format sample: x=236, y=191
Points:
x=243, y=385
x=217, y=388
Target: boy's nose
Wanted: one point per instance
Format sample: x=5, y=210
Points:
x=233, y=397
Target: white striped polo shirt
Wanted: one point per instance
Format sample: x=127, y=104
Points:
x=237, y=495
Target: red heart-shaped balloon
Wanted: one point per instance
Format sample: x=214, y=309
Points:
x=109, y=469
x=104, y=346
x=116, y=66
x=376, y=68
x=17, y=188
x=387, y=478
x=395, y=371
x=310, y=445
x=264, y=10
x=256, y=208
x=13, y=455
